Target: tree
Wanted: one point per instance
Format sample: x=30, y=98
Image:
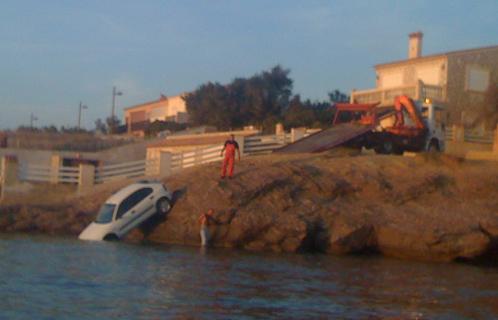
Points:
x=269, y=95
x=259, y=100
x=69, y=129
x=100, y=126
x=324, y=114
x=52, y=129
x=337, y=96
x=298, y=114
x=208, y=106
x=117, y=122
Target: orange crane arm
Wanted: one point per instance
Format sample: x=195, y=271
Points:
x=401, y=101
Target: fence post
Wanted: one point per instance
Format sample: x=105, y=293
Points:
x=240, y=141
x=458, y=134
x=10, y=168
x=296, y=134
x=55, y=163
x=87, y=176
x=165, y=159
x=279, y=129
x=495, y=144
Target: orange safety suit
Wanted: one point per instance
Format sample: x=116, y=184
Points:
x=230, y=147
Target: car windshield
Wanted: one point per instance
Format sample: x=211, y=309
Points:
x=105, y=214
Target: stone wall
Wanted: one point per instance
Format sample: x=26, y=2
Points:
x=459, y=99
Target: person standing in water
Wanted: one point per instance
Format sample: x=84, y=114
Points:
x=202, y=226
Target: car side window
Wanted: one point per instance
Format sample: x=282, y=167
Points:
x=132, y=200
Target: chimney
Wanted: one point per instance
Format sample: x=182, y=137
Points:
x=415, y=48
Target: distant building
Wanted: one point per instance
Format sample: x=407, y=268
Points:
x=138, y=117
x=457, y=80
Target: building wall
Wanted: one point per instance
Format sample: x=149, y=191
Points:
x=462, y=103
x=164, y=109
x=136, y=116
x=176, y=105
x=430, y=71
x=158, y=113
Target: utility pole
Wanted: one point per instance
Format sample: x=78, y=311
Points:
x=114, y=94
x=79, y=115
x=33, y=118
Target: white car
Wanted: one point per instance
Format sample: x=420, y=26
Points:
x=127, y=209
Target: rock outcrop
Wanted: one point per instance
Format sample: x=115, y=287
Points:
x=428, y=207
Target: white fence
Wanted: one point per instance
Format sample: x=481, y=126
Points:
x=195, y=157
x=127, y=170
x=265, y=144
x=177, y=161
x=474, y=136
x=49, y=174
x=165, y=164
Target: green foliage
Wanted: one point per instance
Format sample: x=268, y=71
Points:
x=157, y=126
x=100, y=126
x=52, y=128
x=262, y=100
x=69, y=129
x=28, y=129
x=336, y=96
x=308, y=114
x=243, y=102
x=117, y=122
x=298, y=114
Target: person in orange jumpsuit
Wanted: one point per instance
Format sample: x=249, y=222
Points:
x=230, y=147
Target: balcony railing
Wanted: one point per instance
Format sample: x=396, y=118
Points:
x=385, y=97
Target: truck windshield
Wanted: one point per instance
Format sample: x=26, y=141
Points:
x=105, y=214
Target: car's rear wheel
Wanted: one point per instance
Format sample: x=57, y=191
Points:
x=163, y=206
x=111, y=237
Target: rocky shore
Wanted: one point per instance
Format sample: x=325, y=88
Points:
x=427, y=207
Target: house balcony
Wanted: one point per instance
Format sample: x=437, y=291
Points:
x=385, y=97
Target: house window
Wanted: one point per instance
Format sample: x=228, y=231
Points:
x=477, y=79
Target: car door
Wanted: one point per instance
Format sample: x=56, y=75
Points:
x=133, y=210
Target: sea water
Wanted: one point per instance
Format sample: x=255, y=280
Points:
x=65, y=278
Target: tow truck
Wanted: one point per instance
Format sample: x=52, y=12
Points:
x=407, y=126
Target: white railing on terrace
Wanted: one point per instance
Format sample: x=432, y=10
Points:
x=127, y=170
x=386, y=97
x=478, y=137
x=49, y=174
x=471, y=135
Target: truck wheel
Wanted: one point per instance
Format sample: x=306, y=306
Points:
x=111, y=237
x=398, y=151
x=163, y=206
x=385, y=148
x=433, y=146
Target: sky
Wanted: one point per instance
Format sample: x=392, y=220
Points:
x=55, y=54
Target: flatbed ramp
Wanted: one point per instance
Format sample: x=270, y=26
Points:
x=326, y=139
